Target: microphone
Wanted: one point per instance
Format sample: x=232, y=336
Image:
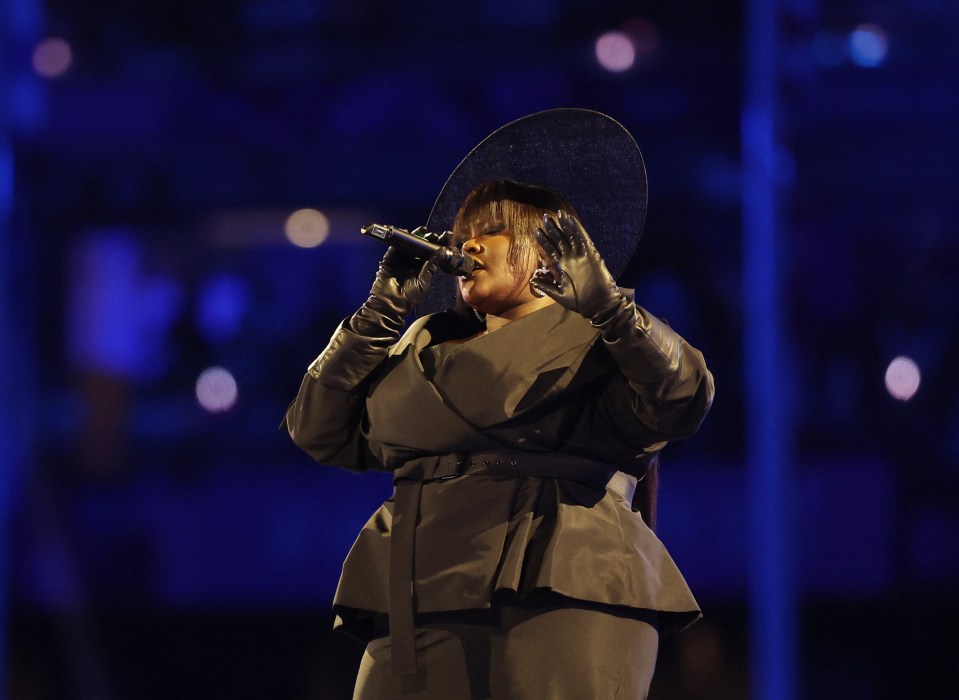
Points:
x=422, y=245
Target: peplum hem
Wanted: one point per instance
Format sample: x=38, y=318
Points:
x=515, y=538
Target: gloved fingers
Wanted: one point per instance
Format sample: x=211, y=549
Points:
x=414, y=288
x=548, y=246
x=542, y=281
x=559, y=237
x=580, y=242
x=568, y=229
x=420, y=231
x=432, y=263
x=398, y=263
x=427, y=271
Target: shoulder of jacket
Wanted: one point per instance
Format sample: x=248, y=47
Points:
x=422, y=330
x=409, y=336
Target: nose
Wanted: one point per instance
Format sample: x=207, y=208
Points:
x=471, y=246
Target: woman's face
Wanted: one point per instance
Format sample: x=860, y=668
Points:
x=494, y=287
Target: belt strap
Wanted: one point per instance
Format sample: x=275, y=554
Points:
x=406, y=509
x=505, y=463
x=408, y=481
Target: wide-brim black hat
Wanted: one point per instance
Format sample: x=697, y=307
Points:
x=586, y=157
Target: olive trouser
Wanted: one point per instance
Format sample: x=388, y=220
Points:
x=559, y=653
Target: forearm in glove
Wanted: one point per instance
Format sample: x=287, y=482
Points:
x=656, y=361
x=362, y=341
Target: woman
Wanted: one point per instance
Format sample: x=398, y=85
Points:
x=509, y=562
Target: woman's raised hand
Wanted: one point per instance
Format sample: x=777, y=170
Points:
x=401, y=283
x=578, y=279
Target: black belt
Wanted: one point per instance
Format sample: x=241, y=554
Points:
x=408, y=481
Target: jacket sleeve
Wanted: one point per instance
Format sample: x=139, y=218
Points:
x=326, y=418
x=670, y=389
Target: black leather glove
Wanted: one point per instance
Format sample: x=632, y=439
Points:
x=578, y=278
x=653, y=357
x=362, y=341
x=401, y=283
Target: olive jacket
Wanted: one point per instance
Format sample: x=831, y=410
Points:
x=514, y=455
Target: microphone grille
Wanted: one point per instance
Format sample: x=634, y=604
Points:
x=458, y=263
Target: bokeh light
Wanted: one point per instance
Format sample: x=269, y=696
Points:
x=868, y=45
x=307, y=228
x=902, y=378
x=222, y=304
x=615, y=51
x=52, y=57
x=216, y=389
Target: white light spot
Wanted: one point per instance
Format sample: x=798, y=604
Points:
x=216, y=390
x=868, y=45
x=615, y=52
x=902, y=378
x=52, y=57
x=307, y=228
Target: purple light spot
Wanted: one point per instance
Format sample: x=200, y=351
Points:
x=216, y=390
x=615, y=52
x=52, y=57
x=902, y=378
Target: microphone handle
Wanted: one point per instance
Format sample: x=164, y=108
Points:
x=421, y=246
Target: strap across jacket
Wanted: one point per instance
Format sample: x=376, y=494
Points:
x=408, y=481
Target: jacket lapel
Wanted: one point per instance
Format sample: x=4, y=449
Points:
x=498, y=376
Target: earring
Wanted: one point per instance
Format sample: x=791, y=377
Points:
x=540, y=271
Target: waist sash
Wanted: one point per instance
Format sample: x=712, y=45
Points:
x=408, y=480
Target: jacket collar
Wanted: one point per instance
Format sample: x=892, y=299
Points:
x=512, y=369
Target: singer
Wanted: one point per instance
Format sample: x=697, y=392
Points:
x=522, y=421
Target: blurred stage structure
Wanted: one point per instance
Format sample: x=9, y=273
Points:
x=181, y=190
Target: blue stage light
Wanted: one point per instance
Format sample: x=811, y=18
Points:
x=868, y=45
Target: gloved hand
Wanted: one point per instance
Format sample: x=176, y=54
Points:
x=672, y=385
x=363, y=340
x=579, y=279
x=401, y=283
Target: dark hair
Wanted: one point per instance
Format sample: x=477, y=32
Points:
x=519, y=204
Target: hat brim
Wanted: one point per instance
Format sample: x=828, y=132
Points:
x=586, y=157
